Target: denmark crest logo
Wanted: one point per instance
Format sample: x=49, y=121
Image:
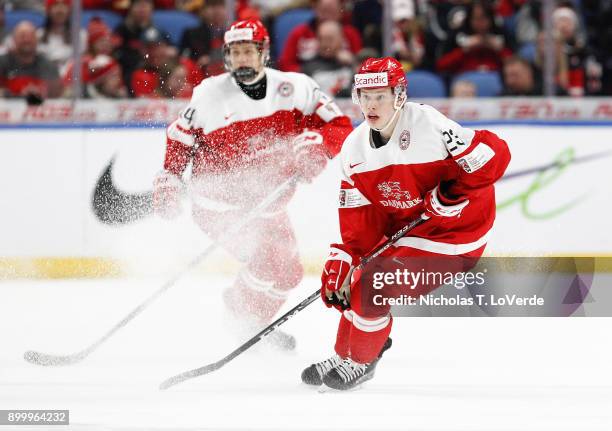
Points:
x=285, y=89
x=395, y=197
x=392, y=189
x=404, y=140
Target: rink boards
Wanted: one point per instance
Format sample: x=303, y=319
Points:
x=554, y=200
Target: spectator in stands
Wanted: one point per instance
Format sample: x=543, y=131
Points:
x=36, y=5
x=55, y=37
x=573, y=46
x=569, y=53
x=99, y=44
x=103, y=78
x=408, y=40
x=3, y=31
x=26, y=73
x=129, y=33
x=158, y=63
x=567, y=27
x=520, y=79
x=177, y=85
x=204, y=43
x=444, y=19
x=463, y=89
x=123, y=6
x=367, y=18
x=598, y=16
x=332, y=68
x=528, y=22
x=478, y=46
x=301, y=44
x=99, y=38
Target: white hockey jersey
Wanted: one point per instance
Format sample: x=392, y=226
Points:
x=383, y=188
x=241, y=148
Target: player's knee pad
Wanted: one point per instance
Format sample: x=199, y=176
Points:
x=367, y=324
x=250, y=281
x=285, y=270
x=253, y=296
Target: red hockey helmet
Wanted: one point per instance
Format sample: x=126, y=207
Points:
x=379, y=73
x=249, y=30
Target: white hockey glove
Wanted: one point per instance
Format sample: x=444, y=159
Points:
x=437, y=206
x=310, y=155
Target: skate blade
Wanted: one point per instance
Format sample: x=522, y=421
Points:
x=326, y=389
x=357, y=387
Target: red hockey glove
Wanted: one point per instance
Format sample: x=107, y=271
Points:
x=335, y=280
x=310, y=155
x=167, y=189
x=437, y=206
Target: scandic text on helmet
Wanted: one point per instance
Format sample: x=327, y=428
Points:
x=238, y=34
x=364, y=80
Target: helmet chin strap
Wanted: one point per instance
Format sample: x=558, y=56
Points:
x=398, y=104
x=388, y=122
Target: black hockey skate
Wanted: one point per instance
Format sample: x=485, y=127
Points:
x=314, y=374
x=348, y=374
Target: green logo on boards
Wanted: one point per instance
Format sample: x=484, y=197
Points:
x=542, y=180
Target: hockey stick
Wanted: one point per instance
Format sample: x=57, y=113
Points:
x=179, y=378
x=45, y=359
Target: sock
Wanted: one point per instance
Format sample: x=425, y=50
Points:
x=344, y=333
x=368, y=337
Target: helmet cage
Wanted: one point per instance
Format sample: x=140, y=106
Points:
x=262, y=47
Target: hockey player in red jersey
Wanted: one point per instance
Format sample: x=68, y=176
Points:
x=246, y=132
x=404, y=160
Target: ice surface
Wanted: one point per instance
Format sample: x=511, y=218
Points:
x=441, y=374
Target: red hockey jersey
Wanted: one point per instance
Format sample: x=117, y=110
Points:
x=383, y=188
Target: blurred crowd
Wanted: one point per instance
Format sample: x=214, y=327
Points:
x=446, y=39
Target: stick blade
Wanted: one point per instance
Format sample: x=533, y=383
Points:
x=174, y=380
x=46, y=360
x=180, y=378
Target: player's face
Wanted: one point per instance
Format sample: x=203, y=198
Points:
x=245, y=55
x=377, y=106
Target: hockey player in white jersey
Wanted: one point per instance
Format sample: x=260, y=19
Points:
x=405, y=159
x=246, y=132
